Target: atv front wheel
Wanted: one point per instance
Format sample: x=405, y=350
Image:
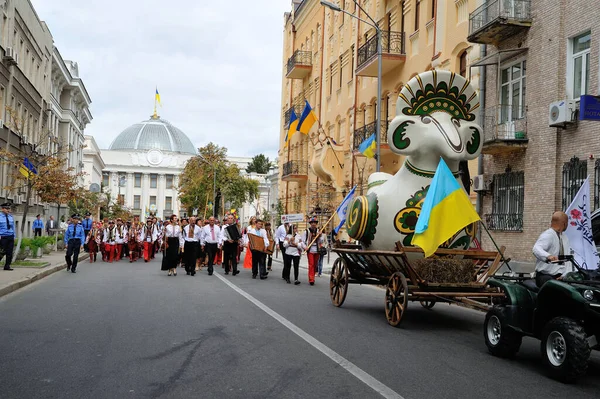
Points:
x=565, y=349
x=501, y=340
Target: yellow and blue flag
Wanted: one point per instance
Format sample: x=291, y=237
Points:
x=446, y=210
x=27, y=168
x=157, y=97
x=307, y=119
x=293, y=127
x=368, y=147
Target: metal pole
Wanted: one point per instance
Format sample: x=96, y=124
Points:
x=378, y=136
x=214, y=190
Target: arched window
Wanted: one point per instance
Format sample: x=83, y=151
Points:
x=462, y=64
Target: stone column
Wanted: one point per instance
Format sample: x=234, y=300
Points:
x=160, y=196
x=129, y=193
x=145, y=197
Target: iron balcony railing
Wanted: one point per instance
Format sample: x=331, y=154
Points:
x=505, y=122
x=363, y=133
x=295, y=168
x=505, y=222
x=391, y=43
x=299, y=58
x=493, y=10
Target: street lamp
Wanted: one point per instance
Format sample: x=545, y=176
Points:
x=375, y=25
x=213, y=164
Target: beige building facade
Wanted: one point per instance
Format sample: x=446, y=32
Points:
x=330, y=60
x=537, y=153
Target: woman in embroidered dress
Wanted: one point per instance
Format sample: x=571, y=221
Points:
x=248, y=257
x=173, y=241
x=92, y=241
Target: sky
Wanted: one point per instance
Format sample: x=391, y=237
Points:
x=217, y=65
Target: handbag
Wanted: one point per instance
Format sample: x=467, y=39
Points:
x=322, y=250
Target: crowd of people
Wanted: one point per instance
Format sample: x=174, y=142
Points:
x=193, y=243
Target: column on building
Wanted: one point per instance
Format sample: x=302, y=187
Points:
x=160, y=195
x=129, y=190
x=145, y=198
x=175, y=195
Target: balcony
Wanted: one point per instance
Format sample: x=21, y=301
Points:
x=497, y=20
x=299, y=65
x=363, y=133
x=504, y=222
x=295, y=171
x=504, y=129
x=392, y=54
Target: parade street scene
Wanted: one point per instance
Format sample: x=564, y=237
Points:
x=300, y=199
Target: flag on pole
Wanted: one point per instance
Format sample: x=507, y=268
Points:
x=293, y=127
x=446, y=210
x=157, y=97
x=343, y=208
x=368, y=147
x=307, y=119
x=579, y=229
x=27, y=168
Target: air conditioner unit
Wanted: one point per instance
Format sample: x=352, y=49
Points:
x=16, y=58
x=480, y=183
x=9, y=53
x=562, y=113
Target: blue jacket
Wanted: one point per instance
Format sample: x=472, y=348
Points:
x=78, y=233
x=4, y=229
x=87, y=224
x=38, y=224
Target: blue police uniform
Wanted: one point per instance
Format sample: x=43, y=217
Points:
x=74, y=238
x=87, y=226
x=7, y=234
x=38, y=225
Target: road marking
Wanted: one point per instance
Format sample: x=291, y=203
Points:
x=350, y=367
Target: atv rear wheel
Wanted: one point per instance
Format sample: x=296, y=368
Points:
x=565, y=349
x=501, y=340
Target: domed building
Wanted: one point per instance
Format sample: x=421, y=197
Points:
x=142, y=165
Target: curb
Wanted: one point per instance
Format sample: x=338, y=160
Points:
x=33, y=278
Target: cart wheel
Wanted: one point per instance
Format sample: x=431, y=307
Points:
x=427, y=304
x=338, y=282
x=396, y=298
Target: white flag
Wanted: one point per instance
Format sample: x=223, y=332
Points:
x=343, y=208
x=579, y=230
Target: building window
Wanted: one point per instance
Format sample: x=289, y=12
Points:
x=507, y=202
x=417, y=14
x=137, y=202
x=462, y=64
x=579, y=62
x=153, y=200
x=105, y=179
x=138, y=180
x=341, y=70
x=169, y=182
x=352, y=62
x=153, y=180
x=169, y=203
x=513, y=81
x=433, y=9
x=574, y=174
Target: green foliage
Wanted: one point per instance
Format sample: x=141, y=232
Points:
x=259, y=164
x=280, y=209
x=34, y=244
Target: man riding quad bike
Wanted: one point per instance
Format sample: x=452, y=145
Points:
x=563, y=313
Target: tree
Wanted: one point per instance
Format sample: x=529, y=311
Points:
x=196, y=182
x=59, y=184
x=259, y=164
x=38, y=149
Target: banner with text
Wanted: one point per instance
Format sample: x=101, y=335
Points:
x=292, y=218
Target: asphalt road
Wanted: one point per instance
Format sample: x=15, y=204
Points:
x=128, y=331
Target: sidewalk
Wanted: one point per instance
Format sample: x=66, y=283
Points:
x=23, y=276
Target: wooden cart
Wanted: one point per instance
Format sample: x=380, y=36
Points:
x=403, y=284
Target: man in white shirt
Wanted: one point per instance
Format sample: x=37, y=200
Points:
x=551, y=244
x=280, y=235
x=211, y=242
x=258, y=257
x=190, y=246
x=230, y=247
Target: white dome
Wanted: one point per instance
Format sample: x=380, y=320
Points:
x=155, y=133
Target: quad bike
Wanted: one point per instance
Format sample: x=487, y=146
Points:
x=563, y=314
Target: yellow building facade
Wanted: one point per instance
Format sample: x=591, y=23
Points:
x=330, y=60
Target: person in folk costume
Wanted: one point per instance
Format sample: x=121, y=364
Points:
x=172, y=245
x=93, y=240
x=248, y=257
x=121, y=241
x=312, y=235
x=110, y=241
x=156, y=229
x=258, y=257
x=218, y=259
x=269, y=257
x=293, y=245
x=189, y=246
x=211, y=242
x=230, y=248
x=241, y=246
x=132, y=242
x=147, y=238
x=201, y=254
x=126, y=246
x=182, y=223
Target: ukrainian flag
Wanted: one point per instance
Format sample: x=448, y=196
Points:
x=27, y=169
x=368, y=147
x=157, y=97
x=446, y=210
x=293, y=128
x=307, y=119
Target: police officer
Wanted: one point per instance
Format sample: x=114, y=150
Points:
x=87, y=226
x=7, y=234
x=74, y=239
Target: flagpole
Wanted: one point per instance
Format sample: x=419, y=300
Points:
x=496, y=245
x=320, y=231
